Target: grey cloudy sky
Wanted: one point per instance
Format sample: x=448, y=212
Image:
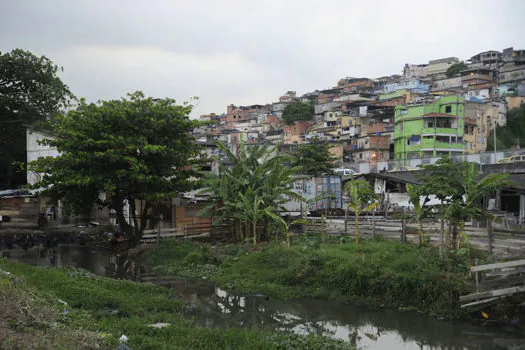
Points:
x=246, y=52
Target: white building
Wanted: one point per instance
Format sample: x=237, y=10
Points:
x=36, y=151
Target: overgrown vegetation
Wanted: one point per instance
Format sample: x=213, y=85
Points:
x=376, y=272
x=314, y=158
x=99, y=310
x=455, y=69
x=509, y=135
x=298, y=111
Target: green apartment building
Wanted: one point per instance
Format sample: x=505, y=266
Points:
x=430, y=129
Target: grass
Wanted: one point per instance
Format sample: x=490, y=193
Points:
x=377, y=272
x=99, y=310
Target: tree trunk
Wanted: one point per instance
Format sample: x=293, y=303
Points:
x=454, y=234
x=254, y=233
x=356, y=228
x=421, y=234
x=143, y=220
x=117, y=204
x=133, y=213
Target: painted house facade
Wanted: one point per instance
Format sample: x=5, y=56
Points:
x=429, y=130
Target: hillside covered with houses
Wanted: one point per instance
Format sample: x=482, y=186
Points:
x=443, y=107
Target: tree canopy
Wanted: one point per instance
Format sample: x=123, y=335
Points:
x=454, y=69
x=298, y=111
x=507, y=136
x=30, y=93
x=314, y=158
x=130, y=149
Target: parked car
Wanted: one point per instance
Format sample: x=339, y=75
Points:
x=345, y=172
x=517, y=159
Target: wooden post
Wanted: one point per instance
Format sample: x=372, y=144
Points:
x=477, y=277
x=403, y=227
x=374, y=222
x=489, y=234
x=158, y=232
x=346, y=218
x=442, y=232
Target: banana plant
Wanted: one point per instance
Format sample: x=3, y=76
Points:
x=286, y=225
x=420, y=208
x=361, y=199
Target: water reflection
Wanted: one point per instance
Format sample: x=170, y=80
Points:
x=380, y=329
x=214, y=307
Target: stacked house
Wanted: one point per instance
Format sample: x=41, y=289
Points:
x=431, y=110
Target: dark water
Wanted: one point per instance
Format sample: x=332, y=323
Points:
x=214, y=307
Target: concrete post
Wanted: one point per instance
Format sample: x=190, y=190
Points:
x=521, y=219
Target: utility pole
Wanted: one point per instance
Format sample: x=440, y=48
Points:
x=494, y=124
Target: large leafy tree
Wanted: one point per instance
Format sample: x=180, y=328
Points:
x=298, y=111
x=135, y=148
x=314, y=158
x=250, y=190
x=30, y=93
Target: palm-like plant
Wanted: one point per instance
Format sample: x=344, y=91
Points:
x=361, y=199
x=471, y=193
x=256, y=184
x=415, y=192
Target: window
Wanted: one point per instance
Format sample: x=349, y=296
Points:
x=430, y=125
x=448, y=109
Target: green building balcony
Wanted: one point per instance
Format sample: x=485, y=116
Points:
x=442, y=131
x=429, y=145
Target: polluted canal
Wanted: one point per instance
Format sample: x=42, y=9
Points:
x=212, y=306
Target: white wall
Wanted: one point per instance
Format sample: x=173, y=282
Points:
x=36, y=151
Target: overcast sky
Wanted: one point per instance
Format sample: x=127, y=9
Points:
x=246, y=51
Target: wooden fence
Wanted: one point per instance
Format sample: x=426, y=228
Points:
x=195, y=230
x=495, y=281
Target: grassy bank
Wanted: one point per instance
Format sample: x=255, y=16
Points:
x=99, y=310
x=375, y=273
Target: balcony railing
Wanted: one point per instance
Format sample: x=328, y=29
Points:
x=441, y=131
